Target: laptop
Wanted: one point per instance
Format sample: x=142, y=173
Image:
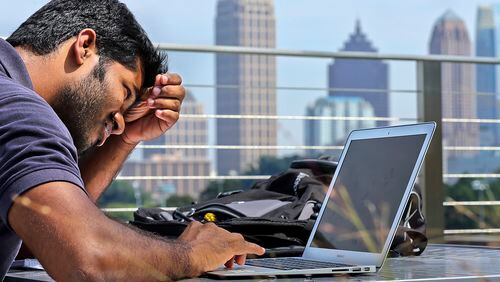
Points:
x=362, y=208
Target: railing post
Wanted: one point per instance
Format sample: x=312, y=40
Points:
x=429, y=109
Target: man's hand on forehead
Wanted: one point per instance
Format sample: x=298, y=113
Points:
x=150, y=94
x=157, y=111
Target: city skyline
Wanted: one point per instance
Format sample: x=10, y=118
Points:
x=321, y=26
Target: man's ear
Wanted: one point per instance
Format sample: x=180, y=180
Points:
x=84, y=46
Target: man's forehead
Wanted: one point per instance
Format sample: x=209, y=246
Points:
x=133, y=76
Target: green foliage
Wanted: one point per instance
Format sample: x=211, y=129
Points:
x=216, y=187
x=272, y=165
x=121, y=216
x=466, y=217
x=462, y=190
x=269, y=165
x=119, y=192
x=179, y=201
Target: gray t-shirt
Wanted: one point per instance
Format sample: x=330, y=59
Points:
x=35, y=145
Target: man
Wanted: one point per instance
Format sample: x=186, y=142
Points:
x=79, y=79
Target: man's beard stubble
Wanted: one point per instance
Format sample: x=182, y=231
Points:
x=80, y=106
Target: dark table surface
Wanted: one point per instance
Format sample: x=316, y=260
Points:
x=438, y=262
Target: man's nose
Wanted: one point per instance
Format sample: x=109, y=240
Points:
x=119, y=124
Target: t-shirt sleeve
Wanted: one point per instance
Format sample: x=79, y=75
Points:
x=35, y=147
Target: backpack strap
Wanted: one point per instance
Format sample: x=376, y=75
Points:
x=410, y=238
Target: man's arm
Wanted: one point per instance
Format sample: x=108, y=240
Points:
x=102, y=164
x=75, y=241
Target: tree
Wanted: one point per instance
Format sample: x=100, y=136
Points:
x=119, y=192
x=470, y=216
x=179, y=201
x=271, y=165
x=216, y=187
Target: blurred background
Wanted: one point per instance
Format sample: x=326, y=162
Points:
x=246, y=117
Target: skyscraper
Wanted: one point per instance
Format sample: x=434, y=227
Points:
x=496, y=20
x=450, y=37
x=486, y=75
x=335, y=132
x=371, y=75
x=252, y=81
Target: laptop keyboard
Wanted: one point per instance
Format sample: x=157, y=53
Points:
x=292, y=263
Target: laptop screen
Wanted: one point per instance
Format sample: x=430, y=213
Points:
x=367, y=193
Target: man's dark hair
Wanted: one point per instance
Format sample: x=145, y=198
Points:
x=119, y=37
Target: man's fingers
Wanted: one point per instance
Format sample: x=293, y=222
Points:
x=171, y=78
x=240, y=259
x=161, y=81
x=170, y=91
x=169, y=116
x=158, y=79
x=229, y=263
x=251, y=248
x=167, y=79
x=165, y=104
x=153, y=91
x=244, y=247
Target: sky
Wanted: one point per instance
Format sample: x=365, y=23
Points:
x=393, y=26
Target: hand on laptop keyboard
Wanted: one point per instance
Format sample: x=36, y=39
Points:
x=212, y=246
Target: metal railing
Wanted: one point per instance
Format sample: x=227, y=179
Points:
x=429, y=106
x=429, y=93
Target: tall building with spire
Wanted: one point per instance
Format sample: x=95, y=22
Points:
x=450, y=37
x=359, y=75
x=246, y=82
x=486, y=76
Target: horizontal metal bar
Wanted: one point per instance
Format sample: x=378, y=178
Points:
x=472, y=148
x=296, y=117
x=472, y=231
x=205, y=177
x=291, y=117
x=320, y=54
x=471, y=203
x=291, y=147
x=472, y=175
x=304, y=88
x=323, y=54
x=240, y=147
x=195, y=177
x=111, y=210
x=296, y=88
x=470, y=120
x=242, y=177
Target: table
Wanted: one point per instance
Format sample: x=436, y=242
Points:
x=438, y=262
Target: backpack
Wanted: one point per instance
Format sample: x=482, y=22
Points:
x=279, y=213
